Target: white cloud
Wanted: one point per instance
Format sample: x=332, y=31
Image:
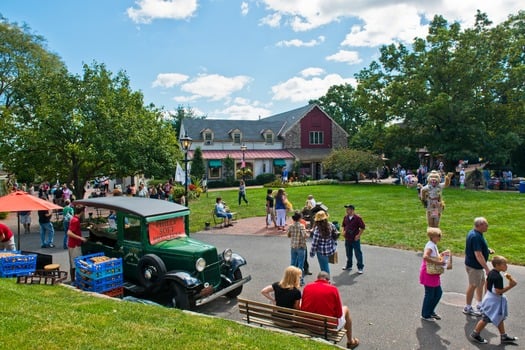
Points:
x=169, y=80
x=300, y=43
x=273, y=20
x=382, y=21
x=312, y=72
x=350, y=57
x=381, y=27
x=215, y=87
x=300, y=89
x=244, y=110
x=149, y=10
x=244, y=8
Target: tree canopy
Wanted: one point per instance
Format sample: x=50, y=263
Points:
x=75, y=127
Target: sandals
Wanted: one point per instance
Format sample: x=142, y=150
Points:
x=354, y=343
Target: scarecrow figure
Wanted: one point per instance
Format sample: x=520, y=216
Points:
x=431, y=197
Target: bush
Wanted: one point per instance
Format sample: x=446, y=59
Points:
x=3, y=215
x=264, y=178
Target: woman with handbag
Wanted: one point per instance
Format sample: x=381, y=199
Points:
x=324, y=240
x=432, y=266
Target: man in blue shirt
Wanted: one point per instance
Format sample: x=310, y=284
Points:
x=476, y=256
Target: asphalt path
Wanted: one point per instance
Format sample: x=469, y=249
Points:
x=384, y=302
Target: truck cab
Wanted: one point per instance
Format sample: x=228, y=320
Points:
x=161, y=262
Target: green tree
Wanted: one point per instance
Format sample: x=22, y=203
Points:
x=450, y=91
x=198, y=169
x=75, y=127
x=350, y=162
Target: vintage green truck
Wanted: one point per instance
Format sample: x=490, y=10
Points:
x=161, y=262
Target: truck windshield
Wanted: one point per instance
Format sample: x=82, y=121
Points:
x=165, y=230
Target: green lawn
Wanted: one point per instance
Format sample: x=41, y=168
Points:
x=56, y=317
x=394, y=215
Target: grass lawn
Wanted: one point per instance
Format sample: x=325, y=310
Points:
x=57, y=317
x=394, y=215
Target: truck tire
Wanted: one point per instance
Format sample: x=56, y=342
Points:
x=179, y=297
x=151, y=270
x=237, y=275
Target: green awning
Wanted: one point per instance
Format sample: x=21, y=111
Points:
x=215, y=163
x=279, y=162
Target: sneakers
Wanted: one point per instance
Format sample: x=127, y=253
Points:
x=435, y=316
x=468, y=310
x=478, y=338
x=360, y=272
x=429, y=319
x=506, y=339
x=51, y=245
x=347, y=268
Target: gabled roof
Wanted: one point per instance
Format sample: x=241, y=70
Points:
x=251, y=129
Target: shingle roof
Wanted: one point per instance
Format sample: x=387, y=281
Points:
x=251, y=129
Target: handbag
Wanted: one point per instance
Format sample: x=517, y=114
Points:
x=334, y=258
x=435, y=269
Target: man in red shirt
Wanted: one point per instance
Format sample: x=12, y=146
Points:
x=7, y=239
x=322, y=298
x=74, y=240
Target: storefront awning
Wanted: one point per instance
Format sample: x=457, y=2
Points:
x=279, y=162
x=215, y=163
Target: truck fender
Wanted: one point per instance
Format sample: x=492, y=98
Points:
x=183, y=278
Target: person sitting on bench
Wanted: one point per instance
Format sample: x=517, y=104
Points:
x=221, y=212
x=321, y=297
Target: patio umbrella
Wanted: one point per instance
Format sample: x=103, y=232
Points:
x=23, y=201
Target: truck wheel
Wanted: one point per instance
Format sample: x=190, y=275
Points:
x=237, y=275
x=179, y=297
x=151, y=271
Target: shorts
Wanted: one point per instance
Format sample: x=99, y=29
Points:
x=25, y=219
x=341, y=321
x=74, y=253
x=476, y=277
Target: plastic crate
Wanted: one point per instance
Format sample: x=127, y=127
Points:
x=17, y=264
x=99, y=285
x=87, y=268
x=43, y=277
x=115, y=293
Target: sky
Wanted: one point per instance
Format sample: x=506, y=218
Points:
x=230, y=59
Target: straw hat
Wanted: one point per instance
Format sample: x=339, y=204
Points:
x=321, y=215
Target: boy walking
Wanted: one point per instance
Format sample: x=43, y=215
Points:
x=494, y=304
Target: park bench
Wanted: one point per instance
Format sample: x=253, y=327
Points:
x=292, y=320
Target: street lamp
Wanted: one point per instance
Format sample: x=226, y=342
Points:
x=185, y=143
x=243, y=164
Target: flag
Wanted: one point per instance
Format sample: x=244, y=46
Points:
x=179, y=174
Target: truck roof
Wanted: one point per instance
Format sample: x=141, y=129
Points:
x=144, y=207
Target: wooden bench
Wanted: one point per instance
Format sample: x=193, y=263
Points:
x=292, y=320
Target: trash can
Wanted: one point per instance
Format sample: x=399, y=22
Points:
x=522, y=186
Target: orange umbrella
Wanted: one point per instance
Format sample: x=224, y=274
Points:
x=23, y=201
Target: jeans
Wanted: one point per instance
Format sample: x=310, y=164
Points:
x=430, y=301
x=48, y=229
x=297, y=259
x=242, y=195
x=66, y=227
x=351, y=247
x=323, y=263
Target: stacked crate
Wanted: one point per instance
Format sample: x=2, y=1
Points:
x=14, y=264
x=100, y=274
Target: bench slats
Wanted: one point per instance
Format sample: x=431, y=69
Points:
x=295, y=321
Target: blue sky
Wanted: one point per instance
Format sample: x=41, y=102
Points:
x=233, y=59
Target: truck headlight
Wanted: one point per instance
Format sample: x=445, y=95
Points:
x=227, y=254
x=200, y=264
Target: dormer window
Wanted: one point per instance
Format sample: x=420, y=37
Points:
x=268, y=136
x=236, y=136
x=207, y=136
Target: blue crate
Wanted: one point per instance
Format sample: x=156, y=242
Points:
x=99, y=285
x=87, y=268
x=17, y=265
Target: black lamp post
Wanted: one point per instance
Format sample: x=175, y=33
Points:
x=243, y=165
x=185, y=143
